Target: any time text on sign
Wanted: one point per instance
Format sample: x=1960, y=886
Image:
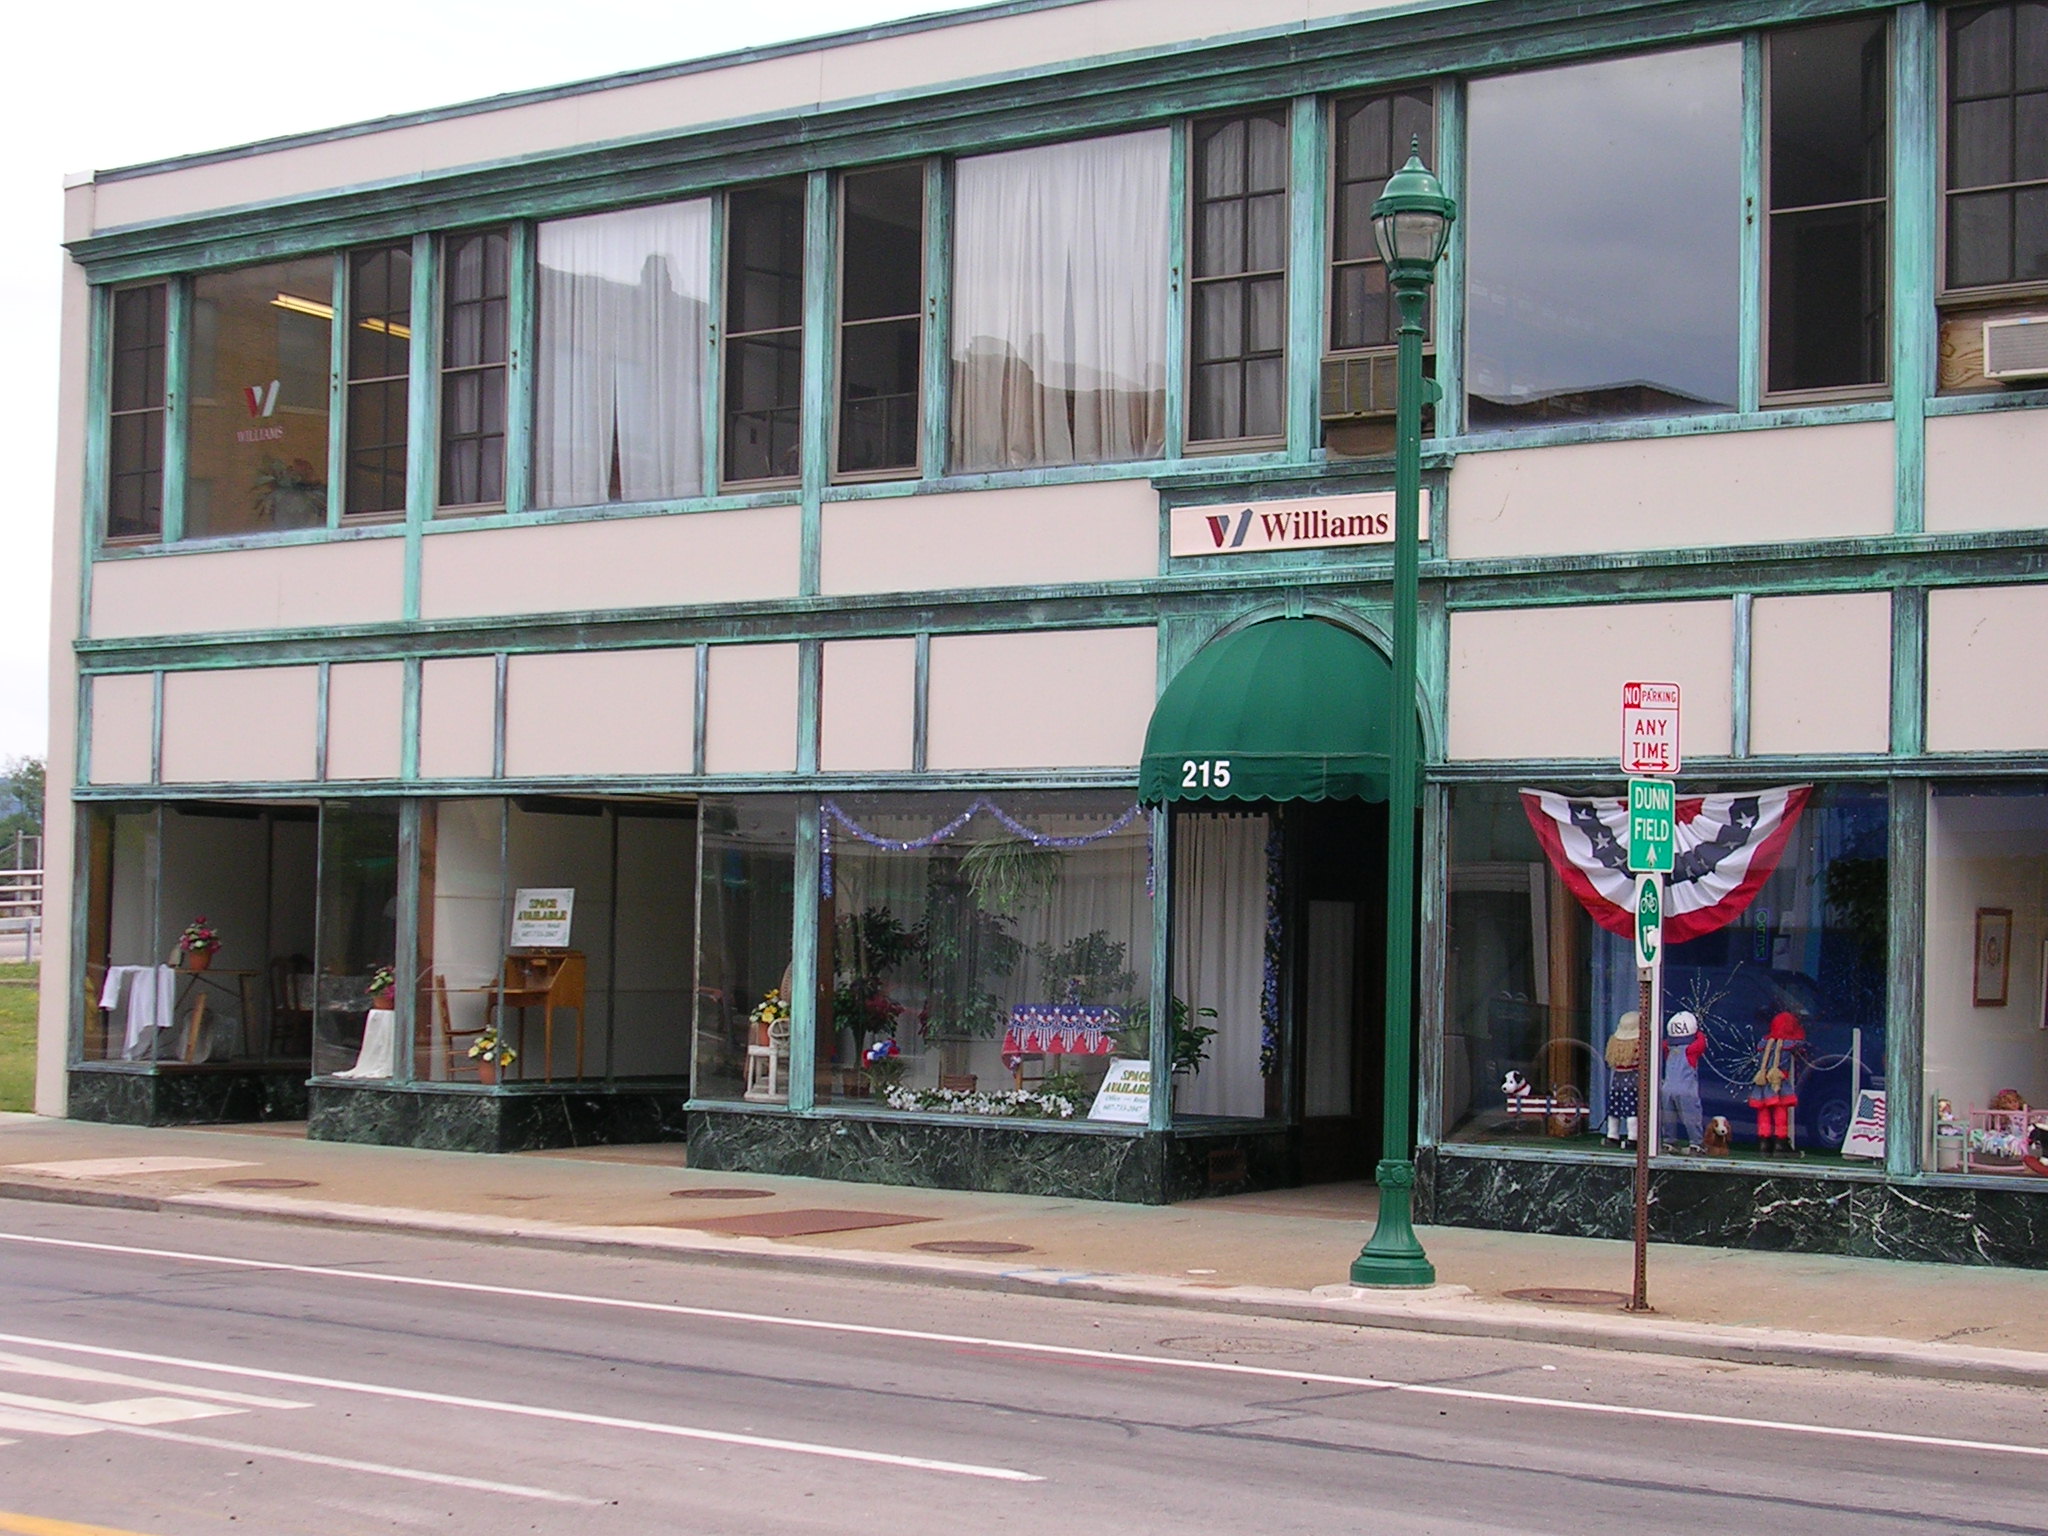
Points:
x=1649, y=728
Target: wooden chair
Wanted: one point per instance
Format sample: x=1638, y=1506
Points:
x=291, y=1007
x=546, y=982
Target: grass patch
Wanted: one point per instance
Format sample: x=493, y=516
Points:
x=18, y=994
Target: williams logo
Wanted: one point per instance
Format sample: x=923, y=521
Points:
x=1324, y=523
x=262, y=402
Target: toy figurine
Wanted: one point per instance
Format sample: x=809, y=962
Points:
x=1515, y=1089
x=1774, y=1093
x=1684, y=1044
x=1719, y=1135
x=1623, y=1048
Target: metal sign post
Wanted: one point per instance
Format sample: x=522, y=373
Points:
x=1649, y=745
x=1649, y=1032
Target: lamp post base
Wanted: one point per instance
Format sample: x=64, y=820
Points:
x=1393, y=1255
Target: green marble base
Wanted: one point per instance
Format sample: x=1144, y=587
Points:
x=175, y=1095
x=443, y=1117
x=1128, y=1164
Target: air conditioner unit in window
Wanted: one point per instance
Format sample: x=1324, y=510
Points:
x=2016, y=349
x=1359, y=386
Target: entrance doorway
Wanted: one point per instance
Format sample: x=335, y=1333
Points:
x=1335, y=895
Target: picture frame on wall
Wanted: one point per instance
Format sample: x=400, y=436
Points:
x=1991, y=975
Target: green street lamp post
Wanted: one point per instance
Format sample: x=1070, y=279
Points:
x=1412, y=223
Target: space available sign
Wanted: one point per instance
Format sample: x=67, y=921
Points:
x=1260, y=527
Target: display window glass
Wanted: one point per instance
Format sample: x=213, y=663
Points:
x=1986, y=1048
x=358, y=936
x=199, y=934
x=1773, y=1009
x=258, y=401
x=983, y=955
x=745, y=943
x=554, y=940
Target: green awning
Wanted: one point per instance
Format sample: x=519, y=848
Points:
x=1288, y=709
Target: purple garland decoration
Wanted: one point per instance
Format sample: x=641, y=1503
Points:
x=953, y=829
x=1269, y=987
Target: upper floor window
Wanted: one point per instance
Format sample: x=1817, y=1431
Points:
x=257, y=399
x=1996, y=176
x=1059, y=303
x=1237, y=265
x=379, y=388
x=476, y=325
x=764, y=318
x=881, y=320
x=135, y=413
x=1603, y=256
x=1827, y=166
x=620, y=355
x=1371, y=137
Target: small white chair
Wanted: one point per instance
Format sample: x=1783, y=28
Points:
x=768, y=1067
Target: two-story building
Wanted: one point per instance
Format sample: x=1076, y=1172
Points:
x=635, y=611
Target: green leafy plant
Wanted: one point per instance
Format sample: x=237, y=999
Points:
x=1087, y=970
x=1012, y=876
x=1190, y=1042
x=965, y=947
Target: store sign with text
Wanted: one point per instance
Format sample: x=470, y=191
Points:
x=1262, y=527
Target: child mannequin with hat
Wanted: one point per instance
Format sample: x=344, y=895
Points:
x=1678, y=1100
x=1774, y=1091
x=1623, y=1048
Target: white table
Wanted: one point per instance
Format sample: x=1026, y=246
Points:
x=374, y=1059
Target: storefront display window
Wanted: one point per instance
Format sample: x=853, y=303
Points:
x=199, y=934
x=1986, y=1062
x=746, y=931
x=554, y=940
x=1774, y=977
x=986, y=956
x=261, y=358
x=358, y=937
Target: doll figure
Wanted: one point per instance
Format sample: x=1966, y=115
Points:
x=1623, y=1047
x=1679, y=1101
x=1774, y=1090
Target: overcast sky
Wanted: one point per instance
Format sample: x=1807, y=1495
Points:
x=136, y=80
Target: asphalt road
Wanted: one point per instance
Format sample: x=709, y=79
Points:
x=181, y=1376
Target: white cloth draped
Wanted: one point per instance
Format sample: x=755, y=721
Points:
x=374, y=1059
x=1219, y=956
x=1059, y=303
x=620, y=362
x=151, y=990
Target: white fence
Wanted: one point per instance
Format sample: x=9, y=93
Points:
x=21, y=914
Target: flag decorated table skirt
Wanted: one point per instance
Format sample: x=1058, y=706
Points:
x=1060, y=1029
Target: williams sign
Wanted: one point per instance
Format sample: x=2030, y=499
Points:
x=1260, y=527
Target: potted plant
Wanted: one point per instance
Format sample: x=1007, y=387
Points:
x=884, y=1064
x=196, y=945
x=966, y=946
x=491, y=1055
x=383, y=987
x=773, y=1009
x=1190, y=1043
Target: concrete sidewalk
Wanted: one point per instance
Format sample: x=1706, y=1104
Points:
x=1281, y=1254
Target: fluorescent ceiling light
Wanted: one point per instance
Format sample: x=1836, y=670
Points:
x=319, y=311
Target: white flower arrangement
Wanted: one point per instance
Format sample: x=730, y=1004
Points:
x=1020, y=1103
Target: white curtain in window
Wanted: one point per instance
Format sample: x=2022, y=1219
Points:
x=618, y=408
x=1059, y=303
x=1219, y=956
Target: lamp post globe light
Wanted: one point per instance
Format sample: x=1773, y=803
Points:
x=1412, y=223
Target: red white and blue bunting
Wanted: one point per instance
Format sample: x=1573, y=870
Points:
x=1728, y=845
x=832, y=815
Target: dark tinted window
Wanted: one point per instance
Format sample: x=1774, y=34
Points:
x=1997, y=174
x=1237, y=327
x=881, y=304
x=764, y=314
x=135, y=417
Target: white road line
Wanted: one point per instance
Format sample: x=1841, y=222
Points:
x=1015, y=1346
x=534, y=1411
x=344, y=1464
x=64, y=1370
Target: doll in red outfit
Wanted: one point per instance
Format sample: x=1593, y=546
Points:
x=1774, y=1091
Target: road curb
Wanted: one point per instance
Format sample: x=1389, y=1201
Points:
x=1438, y=1311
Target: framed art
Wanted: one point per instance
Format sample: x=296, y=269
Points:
x=1992, y=973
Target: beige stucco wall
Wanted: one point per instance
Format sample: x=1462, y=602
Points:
x=1762, y=487
x=1546, y=682
x=458, y=717
x=625, y=562
x=1012, y=700
x=1820, y=673
x=1987, y=669
x=750, y=709
x=291, y=586
x=1105, y=531
x=867, y=706
x=598, y=712
x=1985, y=471
x=123, y=730
x=365, y=719
x=765, y=88
x=243, y=724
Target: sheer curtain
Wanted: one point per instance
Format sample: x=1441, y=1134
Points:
x=620, y=364
x=1059, y=303
x=1219, y=956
